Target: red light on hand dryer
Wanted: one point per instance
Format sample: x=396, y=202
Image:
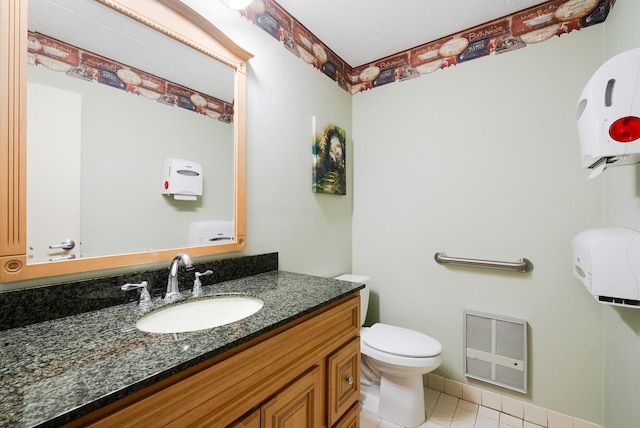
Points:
x=626, y=129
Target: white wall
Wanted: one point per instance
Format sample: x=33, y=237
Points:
x=622, y=209
x=481, y=160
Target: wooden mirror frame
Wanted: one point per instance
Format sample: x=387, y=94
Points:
x=169, y=17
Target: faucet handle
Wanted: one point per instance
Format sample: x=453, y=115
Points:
x=205, y=273
x=145, y=297
x=197, y=284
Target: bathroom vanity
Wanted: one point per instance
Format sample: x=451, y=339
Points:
x=296, y=361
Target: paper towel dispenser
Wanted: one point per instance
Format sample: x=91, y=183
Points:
x=182, y=179
x=607, y=262
x=609, y=114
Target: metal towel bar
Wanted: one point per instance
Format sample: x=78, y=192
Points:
x=522, y=265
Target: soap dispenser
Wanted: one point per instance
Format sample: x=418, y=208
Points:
x=197, y=284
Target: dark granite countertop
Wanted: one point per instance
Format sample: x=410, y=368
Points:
x=56, y=371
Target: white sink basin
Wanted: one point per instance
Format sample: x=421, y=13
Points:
x=199, y=314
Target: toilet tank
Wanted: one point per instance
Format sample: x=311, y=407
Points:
x=364, y=292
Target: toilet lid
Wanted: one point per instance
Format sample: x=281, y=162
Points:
x=401, y=341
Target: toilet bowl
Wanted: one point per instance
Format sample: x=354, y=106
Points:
x=394, y=359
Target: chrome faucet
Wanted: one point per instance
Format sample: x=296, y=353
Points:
x=173, y=292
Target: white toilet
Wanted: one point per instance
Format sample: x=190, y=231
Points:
x=393, y=362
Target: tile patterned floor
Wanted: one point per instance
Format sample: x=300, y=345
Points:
x=448, y=411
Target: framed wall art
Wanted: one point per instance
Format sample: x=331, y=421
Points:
x=329, y=158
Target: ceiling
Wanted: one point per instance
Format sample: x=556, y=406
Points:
x=99, y=29
x=363, y=31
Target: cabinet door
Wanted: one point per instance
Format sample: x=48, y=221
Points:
x=344, y=380
x=298, y=406
x=351, y=419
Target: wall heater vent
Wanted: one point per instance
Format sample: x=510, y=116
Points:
x=495, y=350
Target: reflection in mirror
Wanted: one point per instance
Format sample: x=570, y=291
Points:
x=109, y=100
x=98, y=139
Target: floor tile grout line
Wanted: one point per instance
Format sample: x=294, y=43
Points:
x=447, y=403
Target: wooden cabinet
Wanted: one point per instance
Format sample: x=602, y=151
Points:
x=351, y=419
x=299, y=405
x=343, y=383
x=305, y=374
x=250, y=421
x=296, y=406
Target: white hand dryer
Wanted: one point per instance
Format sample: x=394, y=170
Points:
x=209, y=232
x=607, y=262
x=609, y=114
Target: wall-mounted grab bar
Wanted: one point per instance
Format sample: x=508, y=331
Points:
x=522, y=265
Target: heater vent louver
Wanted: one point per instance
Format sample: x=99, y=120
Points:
x=495, y=350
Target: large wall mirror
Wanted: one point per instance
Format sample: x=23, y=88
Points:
x=123, y=136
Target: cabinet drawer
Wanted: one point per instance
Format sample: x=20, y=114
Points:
x=343, y=382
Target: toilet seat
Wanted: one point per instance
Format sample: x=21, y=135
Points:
x=400, y=341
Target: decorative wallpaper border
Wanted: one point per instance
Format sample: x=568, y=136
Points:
x=73, y=61
x=530, y=26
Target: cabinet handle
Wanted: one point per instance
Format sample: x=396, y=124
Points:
x=350, y=380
